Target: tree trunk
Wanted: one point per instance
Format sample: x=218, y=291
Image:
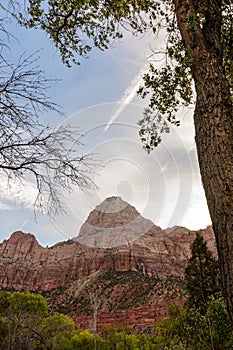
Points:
x=214, y=140
x=213, y=119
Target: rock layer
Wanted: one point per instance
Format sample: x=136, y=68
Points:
x=112, y=223
x=67, y=267
x=25, y=265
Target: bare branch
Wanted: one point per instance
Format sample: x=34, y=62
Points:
x=31, y=150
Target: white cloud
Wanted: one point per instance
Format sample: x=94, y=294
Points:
x=5, y=206
x=17, y=192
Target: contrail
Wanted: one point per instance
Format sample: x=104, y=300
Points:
x=128, y=96
x=23, y=224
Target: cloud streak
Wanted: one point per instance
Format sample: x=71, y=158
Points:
x=128, y=96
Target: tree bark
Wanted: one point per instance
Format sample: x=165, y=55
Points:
x=213, y=119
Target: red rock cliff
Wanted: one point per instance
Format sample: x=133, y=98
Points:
x=138, y=275
x=24, y=264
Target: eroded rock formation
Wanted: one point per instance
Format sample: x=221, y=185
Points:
x=153, y=258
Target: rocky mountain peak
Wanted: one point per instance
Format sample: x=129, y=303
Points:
x=21, y=236
x=114, y=205
x=111, y=213
x=18, y=246
x=112, y=223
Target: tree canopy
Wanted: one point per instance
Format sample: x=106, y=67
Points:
x=77, y=27
x=201, y=274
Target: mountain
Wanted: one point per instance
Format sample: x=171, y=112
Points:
x=112, y=223
x=132, y=282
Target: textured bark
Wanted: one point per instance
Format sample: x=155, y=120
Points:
x=213, y=121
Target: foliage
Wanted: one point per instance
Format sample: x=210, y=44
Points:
x=121, y=337
x=201, y=274
x=152, y=125
x=171, y=86
x=25, y=322
x=204, y=322
x=75, y=27
x=20, y=315
x=171, y=329
x=53, y=328
x=192, y=330
x=81, y=339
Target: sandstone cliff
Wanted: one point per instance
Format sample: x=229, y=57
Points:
x=138, y=278
x=112, y=223
x=24, y=264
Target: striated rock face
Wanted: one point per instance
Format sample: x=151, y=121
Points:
x=112, y=223
x=24, y=264
x=70, y=271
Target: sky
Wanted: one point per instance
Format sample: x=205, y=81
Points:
x=100, y=98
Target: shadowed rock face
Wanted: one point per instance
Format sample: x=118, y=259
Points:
x=112, y=223
x=68, y=267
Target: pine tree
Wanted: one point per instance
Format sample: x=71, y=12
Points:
x=201, y=274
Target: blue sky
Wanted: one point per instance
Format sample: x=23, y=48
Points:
x=99, y=97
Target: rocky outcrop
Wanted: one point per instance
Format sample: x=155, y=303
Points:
x=113, y=223
x=25, y=265
x=154, y=259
